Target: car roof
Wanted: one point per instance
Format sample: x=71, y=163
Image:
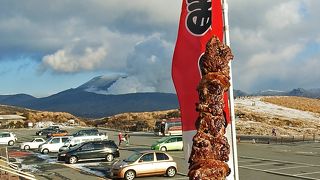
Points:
x=151, y=151
x=61, y=137
x=98, y=141
x=92, y=129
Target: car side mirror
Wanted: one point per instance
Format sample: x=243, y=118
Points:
x=140, y=160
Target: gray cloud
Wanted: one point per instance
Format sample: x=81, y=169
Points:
x=44, y=27
x=270, y=39
x=148, y=68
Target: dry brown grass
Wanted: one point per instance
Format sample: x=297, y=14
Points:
x=300, y=103
x=256, y=123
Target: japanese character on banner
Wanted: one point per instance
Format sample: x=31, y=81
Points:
x=198, y=20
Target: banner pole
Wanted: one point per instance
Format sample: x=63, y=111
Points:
x=231, y=96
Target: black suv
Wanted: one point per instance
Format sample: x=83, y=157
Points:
x=86, y=132
x=46, y=131
x=107, y=150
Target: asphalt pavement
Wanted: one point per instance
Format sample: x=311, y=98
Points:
x=291, y=161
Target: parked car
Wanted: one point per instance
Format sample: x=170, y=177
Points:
x=34, y=144
x=146, y=163
x=86, y=132
x=53, y=144
x=57, y=132
x=73, y=141
x=107, y=150
x=46, y=131
x=168, y=143
x=7, y=138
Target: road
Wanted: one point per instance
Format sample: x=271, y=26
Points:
x=264, y=161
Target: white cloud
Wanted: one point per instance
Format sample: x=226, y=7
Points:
x=283, y=15
x=130, y=84
x=265, y=35
x=148, y=68
x=269, y=65
x=66, y=61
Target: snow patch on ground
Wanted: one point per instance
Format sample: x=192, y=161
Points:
x=29, y=168
x=84, y=168
x=47, y=158
x=255, y=104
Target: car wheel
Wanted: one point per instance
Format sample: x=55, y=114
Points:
x=129, y=175
x=45, y=151
x=73, y=160
x=26, y=147
x=163, y=148
x=171, y=171
x=109, y=157
x=11, y=143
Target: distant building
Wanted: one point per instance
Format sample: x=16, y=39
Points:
x=6, y=119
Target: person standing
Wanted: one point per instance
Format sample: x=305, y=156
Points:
x=162, y=128
x=126, y=137
x=120, y=138
x=274, y=132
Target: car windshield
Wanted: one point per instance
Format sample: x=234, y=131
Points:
x=162, y=139
x=133, y=157
x=46, y=142
x=76, y=146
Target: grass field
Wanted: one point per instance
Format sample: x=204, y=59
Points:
x=300, y=103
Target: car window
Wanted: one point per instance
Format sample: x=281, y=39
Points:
x=64, y=139
x=161, y=156
x=55, y=141
x=147, y=157
x=111, y=144
x=87, y=147
x=38, y=140
x=179, y=139
x=6, y=135
x=133, y=157
x=98, y=146
x=172, y=140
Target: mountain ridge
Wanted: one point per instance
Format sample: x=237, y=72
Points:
x=92, y=99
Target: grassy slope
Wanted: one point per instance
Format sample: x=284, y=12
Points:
x=300, y=103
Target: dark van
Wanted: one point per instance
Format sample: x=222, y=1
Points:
x=93, y=150
x=86, y=132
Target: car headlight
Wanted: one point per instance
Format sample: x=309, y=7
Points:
x=123, y=166
x=64, y=154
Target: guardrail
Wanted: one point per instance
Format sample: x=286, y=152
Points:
x=277, y=139
x=10, y=171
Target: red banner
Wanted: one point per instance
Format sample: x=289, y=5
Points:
x=199, y=21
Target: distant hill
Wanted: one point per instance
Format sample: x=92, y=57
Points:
x=87, y=104
x=92, y=99
x=16, y=99
x=300, y=92
x=100, y=84
x=238, y=93
x=36, y=116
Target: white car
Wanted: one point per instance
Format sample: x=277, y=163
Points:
x=7, y=138
x=34, y=144
x=53, y=144
x=73, y=141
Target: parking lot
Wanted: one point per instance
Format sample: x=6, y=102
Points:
x=263, y=161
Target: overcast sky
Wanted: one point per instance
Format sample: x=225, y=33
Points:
x=50, y=46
